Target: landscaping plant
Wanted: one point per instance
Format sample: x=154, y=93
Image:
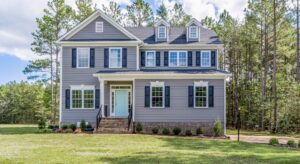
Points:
x=64, y=127
x=72, y=126
x=166, y=131
x=217, y=128
x=41, y=124
x=199, y=131
x=139, y=127
x=82, y=124
x=189, y=132
x=155, y=130
x=176, y=131
x=291, y=143
x=273, y=141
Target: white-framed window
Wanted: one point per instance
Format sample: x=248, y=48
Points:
x=82, y=97
x=150, y=58
x=162, y=32
x=205, y=59
x=115, y=57
x=193, y=32
x=83, y=57
x=157, y=95
x=201, y=94
x=99, y=27
x=177, y=58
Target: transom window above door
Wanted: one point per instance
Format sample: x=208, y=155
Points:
x=178, y=58
x=83, y=57
x=115, y=57
x=150, y=59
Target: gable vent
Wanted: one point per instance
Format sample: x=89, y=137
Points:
x=99, y=26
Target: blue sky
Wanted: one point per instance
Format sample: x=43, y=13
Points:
x=16, y=27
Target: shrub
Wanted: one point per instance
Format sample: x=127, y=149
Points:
x=291, y=143
x=89, y=126
x=298, y=144
x=199, y=131
x=82, y=124
x=155, y=130
x=166, y=131
x=273, y=141
x=176, y=131
x=55, y=126
x=41, y=124
x=72, y=126
x=50, y=126
x=217, y=128
x=188, y=132
x=139, y=127
x=64, y=127
x=68, y=131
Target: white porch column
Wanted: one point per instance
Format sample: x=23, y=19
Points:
x=133, y=100
x=102, y=95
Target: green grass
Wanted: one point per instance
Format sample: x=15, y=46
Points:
x=21, y=144
x=258, y=133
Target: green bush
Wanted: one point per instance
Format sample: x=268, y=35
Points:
x=188, y=132
x=82, y=124
x=273, y=141
x=55, y=126
x=41, y=124
x=72, y=126
x=139, y=127
x=176, y=131
x=50, y=126
x=291, y=143
x=64, y=127
x=298, y=144
x=155, y=130
x=68, y=131
x=166, y=131
x=199, y=131
x=89, y=126
x=217, y=128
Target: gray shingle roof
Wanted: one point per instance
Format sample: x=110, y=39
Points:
x=177, y=35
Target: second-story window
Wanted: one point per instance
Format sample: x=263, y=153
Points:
x=193, y=32
x=115, y=58
x=83, y=57
x=177, y=58
x=99, y=27
x=150, y=59
x=162, y=30
x=205, y=59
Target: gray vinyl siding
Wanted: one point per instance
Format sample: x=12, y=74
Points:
x=167, y=67
x=179, y=110
x=109, y=32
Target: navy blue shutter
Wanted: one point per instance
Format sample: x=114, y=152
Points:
x=166, y=58
x=213, y=58
x=211, y=96
x=147, y=96
x=67, y=101
x=157, y=59
x=74, y=54
x=198, y=58
x=124, y=57
x=190, y=58
x=106, y=58
x=191, y=96
x=143, y=58
x=167, y=96
x=97, y=99
x=92, y=57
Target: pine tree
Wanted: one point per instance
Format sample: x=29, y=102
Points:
x=114, y=11
x=140, y=13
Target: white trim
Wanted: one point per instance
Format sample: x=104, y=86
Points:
x=114, y=90
x=101, y=82
x=146, y=63
x=209, y=52
x=98, y=43
x=157, y=84
x=224, y=122
x=165, y=32
x=99, y=28
x=200, y=84
x=161, y=21
x=195, y=21
x=165, y=46
x=121, y=56
x=82, y=88
x=77, y=57
x=197, y=32
x=137, y=58
x=177, y=54
x=60, y=86
x=133, y=100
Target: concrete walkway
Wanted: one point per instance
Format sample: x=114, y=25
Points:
x=262, y=139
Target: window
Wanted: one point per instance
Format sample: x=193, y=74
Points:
x=205, y=59
x=83, y=97
x=115, y=58
x=201, y=94
x=83, y=57
x=150, y=59
x=162, y=32
x=157, y=95
x=99, y=27
x=193, y=32
x=177, y=58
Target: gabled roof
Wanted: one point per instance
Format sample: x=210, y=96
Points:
x=161, y=22
x=91, y=18
x=195, y=21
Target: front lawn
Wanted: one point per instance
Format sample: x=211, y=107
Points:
x=21, y=144
x=258, y=133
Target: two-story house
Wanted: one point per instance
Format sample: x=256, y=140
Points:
x=159, y=76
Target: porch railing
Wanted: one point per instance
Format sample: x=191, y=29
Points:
x=129, y=116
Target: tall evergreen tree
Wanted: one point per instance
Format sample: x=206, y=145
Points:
x=162, y=12
x=140, y=13
x=114, y=11
x=84, y=9
x=178, y=16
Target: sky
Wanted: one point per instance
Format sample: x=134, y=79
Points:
x=18, y=22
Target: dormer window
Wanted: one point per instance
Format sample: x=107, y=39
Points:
x=162, y=30
x=193, y=32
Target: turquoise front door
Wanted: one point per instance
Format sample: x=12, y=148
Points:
x=121, y=103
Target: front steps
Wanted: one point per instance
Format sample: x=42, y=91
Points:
x=113, y=125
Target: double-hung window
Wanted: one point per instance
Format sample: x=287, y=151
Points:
x=157, y=95
x=177, y=58
x=115, y=58
x=201, y=94
x=150, y=59
x=162, y=30
x=205, y=59
x=83, y=57
x=83, y=97
x=193, y=32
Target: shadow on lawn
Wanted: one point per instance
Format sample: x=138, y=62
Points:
x=18, y=130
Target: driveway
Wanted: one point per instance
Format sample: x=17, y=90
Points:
x=262, y=139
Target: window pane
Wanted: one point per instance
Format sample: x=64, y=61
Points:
x=182, y=59
x=150, y=59
x=115, y=58
x=200, y=96
x=205, y=59
x=83, y=57
x=76, y=99
x=161, y=32
x=88, y=98
x=173, y=59
x=193, y=32
x=157, y=97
